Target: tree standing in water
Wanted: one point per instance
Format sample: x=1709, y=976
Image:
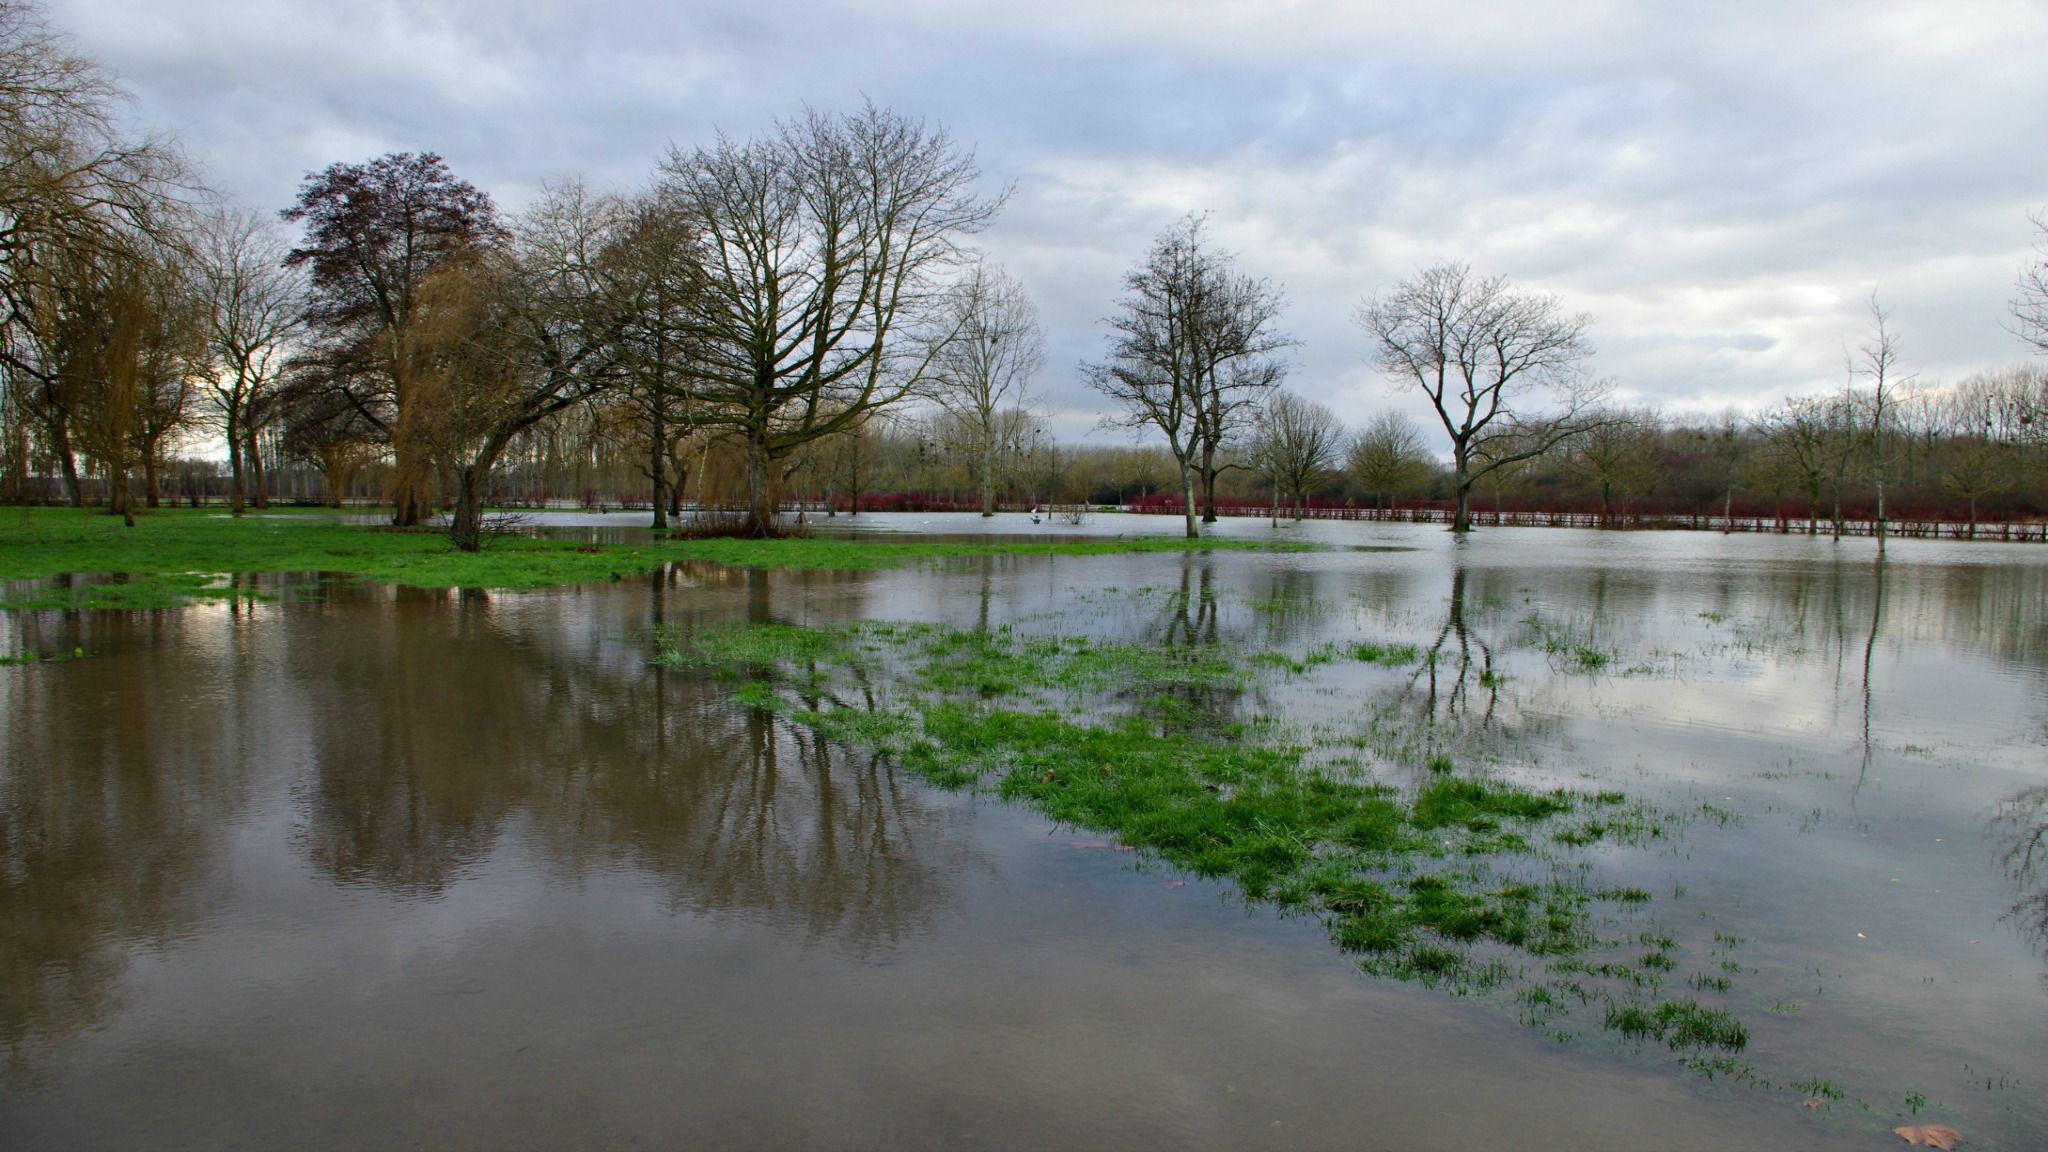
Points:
x=1488, y=357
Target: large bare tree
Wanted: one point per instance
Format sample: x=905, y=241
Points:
x=1503, y=369
x=253, y=306
x=1151, y=375
x=825, y=247
x=993, y=346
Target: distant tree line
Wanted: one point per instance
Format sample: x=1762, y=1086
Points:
x=796, y=318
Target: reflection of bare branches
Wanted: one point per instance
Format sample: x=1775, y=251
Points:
x=2020, y=828
x=487, y=720
x=1190, y=618
x=1448, y=696
x=1869, y=649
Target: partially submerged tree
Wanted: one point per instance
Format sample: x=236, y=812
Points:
x=825, y=246
x=374, y=234
x=1877, y=360
x=1503, y=369
x=1152, y=375
x=993, y=345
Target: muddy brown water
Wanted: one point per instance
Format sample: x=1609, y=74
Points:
x=372, y=867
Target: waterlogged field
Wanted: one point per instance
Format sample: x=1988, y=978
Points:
x=1372, y=839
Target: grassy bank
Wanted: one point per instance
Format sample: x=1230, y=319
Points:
x=176, y=556
x=1461, y=881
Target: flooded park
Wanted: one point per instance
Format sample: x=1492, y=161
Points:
x=1689, y=841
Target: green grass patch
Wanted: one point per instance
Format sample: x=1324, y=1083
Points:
x=1136, y=741
x=175, y=556
x=1682, y=1024
x=1389, y=655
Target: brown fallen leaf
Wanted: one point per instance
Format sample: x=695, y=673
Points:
x=1812, y=1102
x=1932, y=1135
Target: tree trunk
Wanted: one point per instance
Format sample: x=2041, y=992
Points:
x=73, y=489
x=1461, y=480
x=1208, y=483
x=150, y=480
x=258, y=495
x=119, y=502
x=988, y=474
x=234, y=464
x=761, y=509
x=656, y=467
x=466, y=530
x=1187, y=499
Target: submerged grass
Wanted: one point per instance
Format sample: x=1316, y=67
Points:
x=1136, y=741
x=177, y=556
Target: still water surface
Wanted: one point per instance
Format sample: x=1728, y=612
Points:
x=376, y=867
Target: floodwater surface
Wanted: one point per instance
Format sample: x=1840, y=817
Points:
x=371, y=867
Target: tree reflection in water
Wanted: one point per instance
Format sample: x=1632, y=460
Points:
x=2019, y=829
x=120, y=779
x=488, y=724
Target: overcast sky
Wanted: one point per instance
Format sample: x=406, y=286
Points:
x=1720, y=184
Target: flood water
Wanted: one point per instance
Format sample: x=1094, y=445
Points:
x=372, y=867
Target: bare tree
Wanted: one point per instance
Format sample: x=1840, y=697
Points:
x=1233, y=350
x=1387, y=457
x=252, y=308
x=993, y=346
x=1296, y=444
x=1503, y=369
x=650, y=270
x=1152, y=375
x=824, y=246
x=1877, y=360
x=2030, y=304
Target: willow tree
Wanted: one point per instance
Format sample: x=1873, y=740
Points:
x=1503, y=369
x=75, y=192
x=507, y=335
x=374, y=234
x=825, y=248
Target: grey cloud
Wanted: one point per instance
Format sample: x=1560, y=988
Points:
x=1720, y=184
